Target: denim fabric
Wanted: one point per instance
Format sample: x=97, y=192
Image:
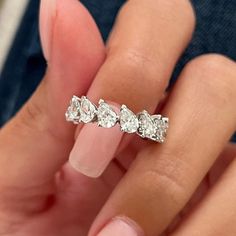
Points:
x=24, y=67
x=215, y=32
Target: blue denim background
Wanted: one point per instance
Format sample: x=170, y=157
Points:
x=25, y=66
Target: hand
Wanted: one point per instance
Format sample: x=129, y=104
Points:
x=42, y=195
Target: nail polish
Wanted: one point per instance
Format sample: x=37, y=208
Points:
x=121, y=226
x=94, y=149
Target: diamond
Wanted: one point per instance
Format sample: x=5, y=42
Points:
x=162, y=124
x=107, y=117
x=128, y=120
x=73, y=111
x=88, y=110
x=153, y=127
x=147, y=127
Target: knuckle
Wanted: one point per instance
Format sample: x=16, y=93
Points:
x=32, y=117
x=32, y=112
x=138, y=65
x=210, y=63
x=216, y=74
x=138, y=62
x=136, y=58
x=165, y=177
x=165, y=184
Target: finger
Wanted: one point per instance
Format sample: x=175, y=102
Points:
x=163, y=178
x=209, y=181
x=125, y=156
x=136, y=72
x=224, y=160
x=36, y=142
x=216, y=214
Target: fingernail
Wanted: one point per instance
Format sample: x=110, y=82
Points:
x=94, y=148
x=121, y=226
x=47, y=15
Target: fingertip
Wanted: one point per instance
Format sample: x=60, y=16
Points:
x=77, y=166
x=73, y=47
x=121, y=225
x=94, y=149
x=69, y=36
x=47, y=17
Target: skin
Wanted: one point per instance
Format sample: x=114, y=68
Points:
x=41, y=194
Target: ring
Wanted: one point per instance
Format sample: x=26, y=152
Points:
x=152, y=127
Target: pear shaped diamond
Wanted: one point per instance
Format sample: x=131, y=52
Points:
x=153, y=127
x=128, y=120
x=88, y=110
x=162, y=124
x=107, y=117
x=73, y=111
x=147, y=128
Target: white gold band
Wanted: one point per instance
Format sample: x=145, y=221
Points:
x=82, y=110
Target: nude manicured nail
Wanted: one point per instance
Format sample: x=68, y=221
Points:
x=47, y=15
x=121, y=227
x=94, y=148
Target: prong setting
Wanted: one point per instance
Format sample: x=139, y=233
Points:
x=128, y=120
x=152, y=127
x=106, y=116
x=73, y=111
x=88, y=111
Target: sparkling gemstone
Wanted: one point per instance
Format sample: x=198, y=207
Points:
x=88, y=110
x=73, y=111
x=107, y=117
x=147, y=127
x=162, y=124
x=128, y=120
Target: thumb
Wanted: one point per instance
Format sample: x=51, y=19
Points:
x=36, y=142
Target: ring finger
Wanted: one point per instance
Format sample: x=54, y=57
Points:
x=148, y=38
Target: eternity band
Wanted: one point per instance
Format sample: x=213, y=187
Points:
x=152, y=127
